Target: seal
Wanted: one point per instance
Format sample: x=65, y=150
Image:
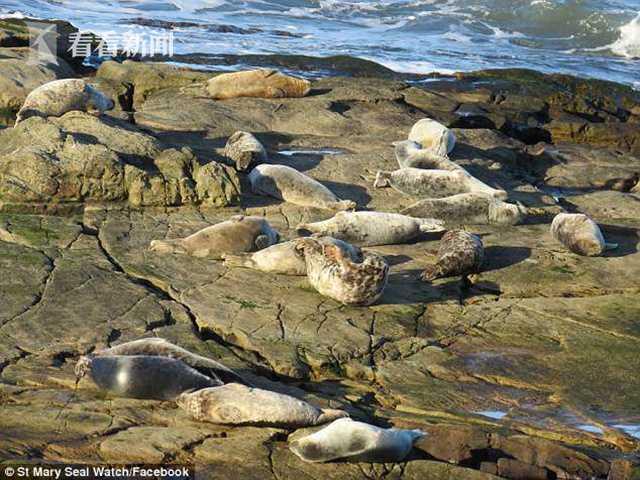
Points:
x=580, y=234
x=288, y=184
x=333, y=274
x=54, y=99
x=434, y=136
x=245, y=150
x=410, y=154
x=433, y=183
x=237, y=235
x=261, y=83
x=235, y=404
x=368, y=229
x=143, y=376
x=159, y=347
x=469, y=208
x=356, y=442
x=285, y=258
x=460, y=253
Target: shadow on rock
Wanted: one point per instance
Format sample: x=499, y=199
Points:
x=499, y=257
x=347, y=191
x=397, y=259
x=406, y=288
x=627, y=239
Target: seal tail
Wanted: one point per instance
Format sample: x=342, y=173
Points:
x=382, y=179
x=430, y=273
x=166, y=246
x=329, y=415
x=344, y=205
x=238, y=261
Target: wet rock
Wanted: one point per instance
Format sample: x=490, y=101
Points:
x=16, y=32
x=143, y=79
x=549, y=455
x=516, y=470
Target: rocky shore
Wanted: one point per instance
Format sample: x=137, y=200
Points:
x=532, y=373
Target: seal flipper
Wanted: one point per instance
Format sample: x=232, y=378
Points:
x=428, y=225
x=329, y=415
x=430, y=273
x=167, y=246
x=262, y=242
x=238, y=261
x=382, y=179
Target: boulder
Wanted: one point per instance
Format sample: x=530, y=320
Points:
x=81, y=158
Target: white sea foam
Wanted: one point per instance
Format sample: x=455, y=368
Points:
x=628, y=45
x=412, y=66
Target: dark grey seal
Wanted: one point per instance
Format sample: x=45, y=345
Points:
x=160, y=347
x=143, y=376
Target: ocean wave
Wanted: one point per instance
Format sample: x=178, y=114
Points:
x=628, y=45
x=587, y=37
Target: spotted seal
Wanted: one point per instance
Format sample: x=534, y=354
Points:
x=433, y=183
x=333, y=274
x=460, y=253
x=285, y=258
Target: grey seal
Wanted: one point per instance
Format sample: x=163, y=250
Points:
x=54, y=99
x=261, y=83
x=237, y=235
x=236, y=404
x=433, y=136
x=160, y=347
x=580, y=234
x=434, y=183
x=373, y=228
x=288, y=184
x=356, y=442
x=469, y=208
x=143, y=376
x=410, y=154
x=285, y=258
x=245, y=150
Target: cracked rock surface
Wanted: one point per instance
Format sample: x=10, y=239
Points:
x=530, y=373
